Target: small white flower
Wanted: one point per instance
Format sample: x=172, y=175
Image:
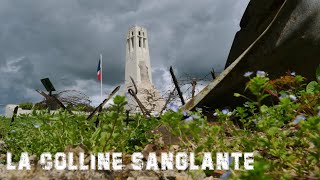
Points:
x=261, y=74
x=174, y=107
x=247, y=74
x=215, y=114
x=283, y=96
x=189, y=119
x=293, y=97
x=246, y=104
x=185, y=113
x=298, y=119
x=36, y=126
x=155, y=114
x=225, y=111
x=195, y=116
x=225, y=175
x=293, y=74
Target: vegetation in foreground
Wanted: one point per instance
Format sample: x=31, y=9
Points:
x=284, y=136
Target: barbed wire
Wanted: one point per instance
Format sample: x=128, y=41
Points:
x=188, y=83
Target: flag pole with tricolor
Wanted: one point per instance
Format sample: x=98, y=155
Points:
x=99, y=74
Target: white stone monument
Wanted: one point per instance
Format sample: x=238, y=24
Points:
x=139, y=68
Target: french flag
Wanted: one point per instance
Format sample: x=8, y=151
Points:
x=99, y=70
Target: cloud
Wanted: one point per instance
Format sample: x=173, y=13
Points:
x=62, y=40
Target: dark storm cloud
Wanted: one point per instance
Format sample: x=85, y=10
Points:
x=62, y=40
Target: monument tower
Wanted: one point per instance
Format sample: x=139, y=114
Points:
x=139, y=68
x=137, y=55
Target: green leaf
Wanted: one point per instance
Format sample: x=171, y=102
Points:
x=119, y=99
x=272, y=131
x=312, y=87
x=236, y=95
x=199, y=149
x=299, y=78
x=264, y=108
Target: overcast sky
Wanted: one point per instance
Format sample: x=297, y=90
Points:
x=62, y=39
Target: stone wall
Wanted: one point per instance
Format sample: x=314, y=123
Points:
x=291, y=44
x=10, y=108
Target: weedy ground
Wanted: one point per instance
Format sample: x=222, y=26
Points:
x=284, y=136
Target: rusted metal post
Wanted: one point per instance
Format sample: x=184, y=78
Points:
x=194, y=83
x=99, y=108
x=213, y=74
x=144, y=111
x=134, y=93
x=15, y=112
x=177, y=85
x=127, y=120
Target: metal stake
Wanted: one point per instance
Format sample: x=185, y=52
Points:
x=177, y=85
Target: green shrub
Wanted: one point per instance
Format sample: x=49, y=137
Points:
x=83, y=107
x=40, y=106
x=26, y=105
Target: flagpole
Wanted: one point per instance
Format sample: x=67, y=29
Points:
x=101, y=76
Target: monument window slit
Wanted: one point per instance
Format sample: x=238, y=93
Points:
x=132, y=42
x=139, y=41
